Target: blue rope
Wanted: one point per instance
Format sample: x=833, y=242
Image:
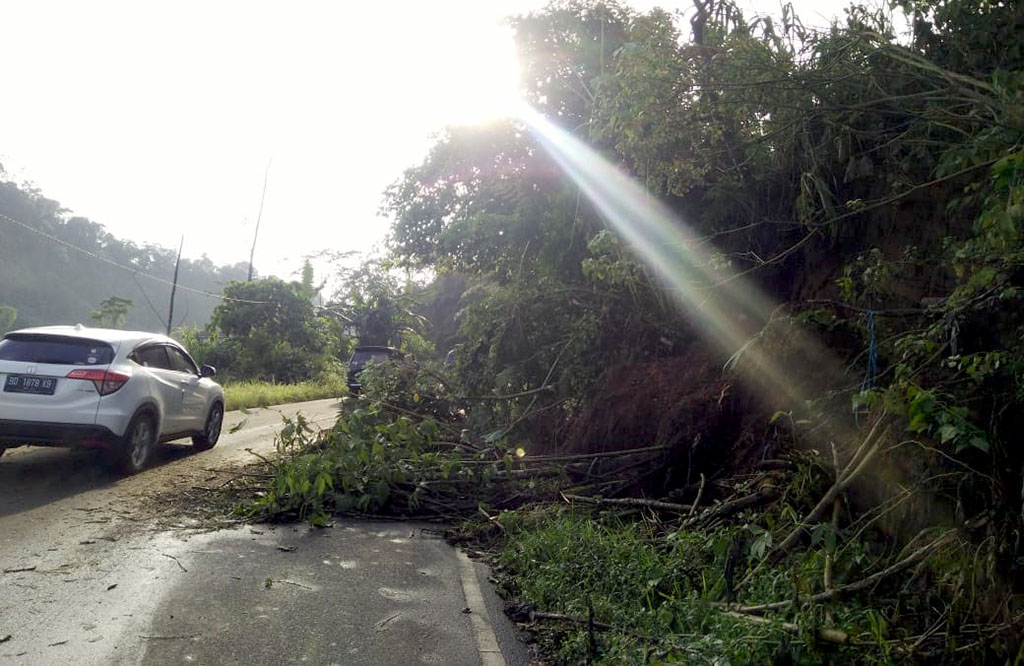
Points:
x=869, y=380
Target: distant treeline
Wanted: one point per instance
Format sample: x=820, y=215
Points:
x=48, y=282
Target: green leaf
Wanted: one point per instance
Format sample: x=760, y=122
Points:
x=980, y=443
x=918, y=422
x=948, y=432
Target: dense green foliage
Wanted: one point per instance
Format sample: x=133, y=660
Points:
x=873, y=188
x=376, y=308
x=48, y=282
x=269, y=330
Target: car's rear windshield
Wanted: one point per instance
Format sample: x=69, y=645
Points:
x=56, y=350
x=362, y=356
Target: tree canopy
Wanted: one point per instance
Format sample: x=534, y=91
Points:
x=268, y=329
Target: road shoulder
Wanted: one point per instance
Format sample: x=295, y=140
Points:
x=357, y=593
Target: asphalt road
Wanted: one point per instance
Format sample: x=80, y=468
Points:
x=94, y=573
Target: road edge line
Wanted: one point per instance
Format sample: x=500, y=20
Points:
x=486, y=642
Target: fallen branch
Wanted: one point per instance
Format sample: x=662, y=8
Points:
x=423, y=417
x=508, y=396
x=604, y=626
x=603, y=454
x=700, y=493
x=732, y=506
x=578, y=620
x=827, y=577
x=836, y=636
x=492, y=519
x=917, y=556
x=864, y=454
x=910, y=560
x=627, y=501
x=893, y=312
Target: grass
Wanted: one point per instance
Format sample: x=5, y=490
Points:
x=654, y=590
x=263, y=394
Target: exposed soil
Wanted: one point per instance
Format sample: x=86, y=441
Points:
x=705, y=419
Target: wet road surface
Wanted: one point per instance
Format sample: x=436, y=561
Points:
x=94, y=573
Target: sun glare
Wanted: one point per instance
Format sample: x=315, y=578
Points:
x=481, y=72
x=728, y=317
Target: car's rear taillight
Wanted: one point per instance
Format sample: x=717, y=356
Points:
x=105, y=381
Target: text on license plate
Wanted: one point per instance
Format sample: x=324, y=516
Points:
x=30, y=384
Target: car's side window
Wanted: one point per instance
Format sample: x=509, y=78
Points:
x=181, y=362
x=153, y=356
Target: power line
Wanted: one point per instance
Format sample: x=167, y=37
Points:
x=132, y=269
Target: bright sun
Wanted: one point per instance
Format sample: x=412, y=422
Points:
x=468, y=57
x=486, y=81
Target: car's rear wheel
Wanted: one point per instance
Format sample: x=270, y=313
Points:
x=132, y=452
x=2, y=449
x=211, y=433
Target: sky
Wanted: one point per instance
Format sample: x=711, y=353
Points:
x=161, y=120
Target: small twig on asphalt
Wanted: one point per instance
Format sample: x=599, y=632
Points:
x=167, y=638
x=175, y=561
x=290, y=582
x=261, y=457
x=382, y=625
x=19, y=570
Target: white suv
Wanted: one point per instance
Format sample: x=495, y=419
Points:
x=122, y=391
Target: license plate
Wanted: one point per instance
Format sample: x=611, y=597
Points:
x=30, y=384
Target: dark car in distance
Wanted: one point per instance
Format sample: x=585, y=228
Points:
x=363, y=356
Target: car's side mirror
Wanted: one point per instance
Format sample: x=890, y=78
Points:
x=207, y=371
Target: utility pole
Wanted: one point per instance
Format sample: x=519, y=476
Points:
x=174, y=285
x=256, y=234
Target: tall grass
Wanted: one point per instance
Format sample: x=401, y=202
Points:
x=263, y=394
x=655, y=594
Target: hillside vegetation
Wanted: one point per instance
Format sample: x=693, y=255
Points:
x=46, y=281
